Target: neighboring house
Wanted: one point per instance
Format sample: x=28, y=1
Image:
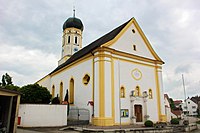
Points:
x=168, y=112
x=9, y=106
x=196, y=99
x=189, y=107
x=118, y=77
x=177, y=114
x=177, y=104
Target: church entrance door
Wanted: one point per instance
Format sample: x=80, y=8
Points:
x=138, y=113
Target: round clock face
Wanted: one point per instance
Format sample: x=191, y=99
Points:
x=136, y=74
x=75, y=49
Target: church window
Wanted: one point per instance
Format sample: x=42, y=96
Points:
x=122, y=92
x=76, y=40
x=137, y=91
x=61, y=91
x=133, y=30
x=68, y=39
x=134, y=47
x=86, y=79
x=53, y=91
x=71, y=91
x=150, y=94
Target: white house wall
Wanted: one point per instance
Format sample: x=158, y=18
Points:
x=82, y=93
x=128, y=39
x=147, y=82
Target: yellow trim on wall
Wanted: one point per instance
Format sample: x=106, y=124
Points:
x=71, y=90
x=53, y=91
x=102, y=121
x=73, y=64
x=133, y=21
x=133, y=74
x=158, y=94
x=87, y=74
x=113, y=89
x=101, y=88
x=61, y=91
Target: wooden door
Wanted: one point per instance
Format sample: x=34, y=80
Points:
x=138, y=113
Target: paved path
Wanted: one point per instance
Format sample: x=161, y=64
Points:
x=43, y=130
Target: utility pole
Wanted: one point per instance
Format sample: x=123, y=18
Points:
x=185, y=95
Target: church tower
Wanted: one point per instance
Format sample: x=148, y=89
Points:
x=72, y=38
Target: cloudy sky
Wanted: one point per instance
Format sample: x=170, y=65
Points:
x=31, y=30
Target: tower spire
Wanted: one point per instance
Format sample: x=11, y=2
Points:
x=74, y=11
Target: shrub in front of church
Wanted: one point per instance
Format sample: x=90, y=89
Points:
x=174, y=121
x=148, y=123
x=55, y=100
x=34, y=93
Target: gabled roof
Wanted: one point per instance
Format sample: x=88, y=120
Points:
x=103, y=40
x=10, y=91
x=92, y=46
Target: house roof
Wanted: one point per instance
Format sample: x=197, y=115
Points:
x=196, y=99
x=10, y=91
x=178, y=102
x=176, y=112
x=92, y=46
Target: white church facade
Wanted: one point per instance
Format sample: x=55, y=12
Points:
x=119, y=74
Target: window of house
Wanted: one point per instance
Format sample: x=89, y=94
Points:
x=76, y=40
x=134, y=47
x=122, y=92
x=133, y=30
x=68, y=39
x=150, y=94
x=137, y=91
x=61, y=91
x=194, y=107
x=86, y=79
x=53, y=91
x=71, y=91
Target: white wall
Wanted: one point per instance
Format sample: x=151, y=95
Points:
x=146, y=82
x=40, y=115
x=192, y=107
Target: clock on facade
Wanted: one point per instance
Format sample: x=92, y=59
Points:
x=136, y=74
x=75, y=49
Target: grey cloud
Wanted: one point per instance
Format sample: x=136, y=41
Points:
x=183, y=69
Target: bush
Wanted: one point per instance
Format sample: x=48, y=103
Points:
x=35, y=93
x=174, y=121
x=148, y=123
x=55, y=100
x=198, y=122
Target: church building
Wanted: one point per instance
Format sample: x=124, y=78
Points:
x=118, y=77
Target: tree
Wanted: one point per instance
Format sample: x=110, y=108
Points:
x=34, y=93
x=6, y=80
x=171, y=102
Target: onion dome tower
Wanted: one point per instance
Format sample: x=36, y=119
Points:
x=72, y=38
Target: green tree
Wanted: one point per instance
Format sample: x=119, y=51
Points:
x=34, y=93
x=12, y=87
x=171, y=102
x=6, y=80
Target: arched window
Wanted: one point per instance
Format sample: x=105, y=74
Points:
x=53, y=91
x=71, y=91
x=61, y=91
x=150, y=94
x=122, y=92
x=76, y=40
x=137, y=91
x=68, y=39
